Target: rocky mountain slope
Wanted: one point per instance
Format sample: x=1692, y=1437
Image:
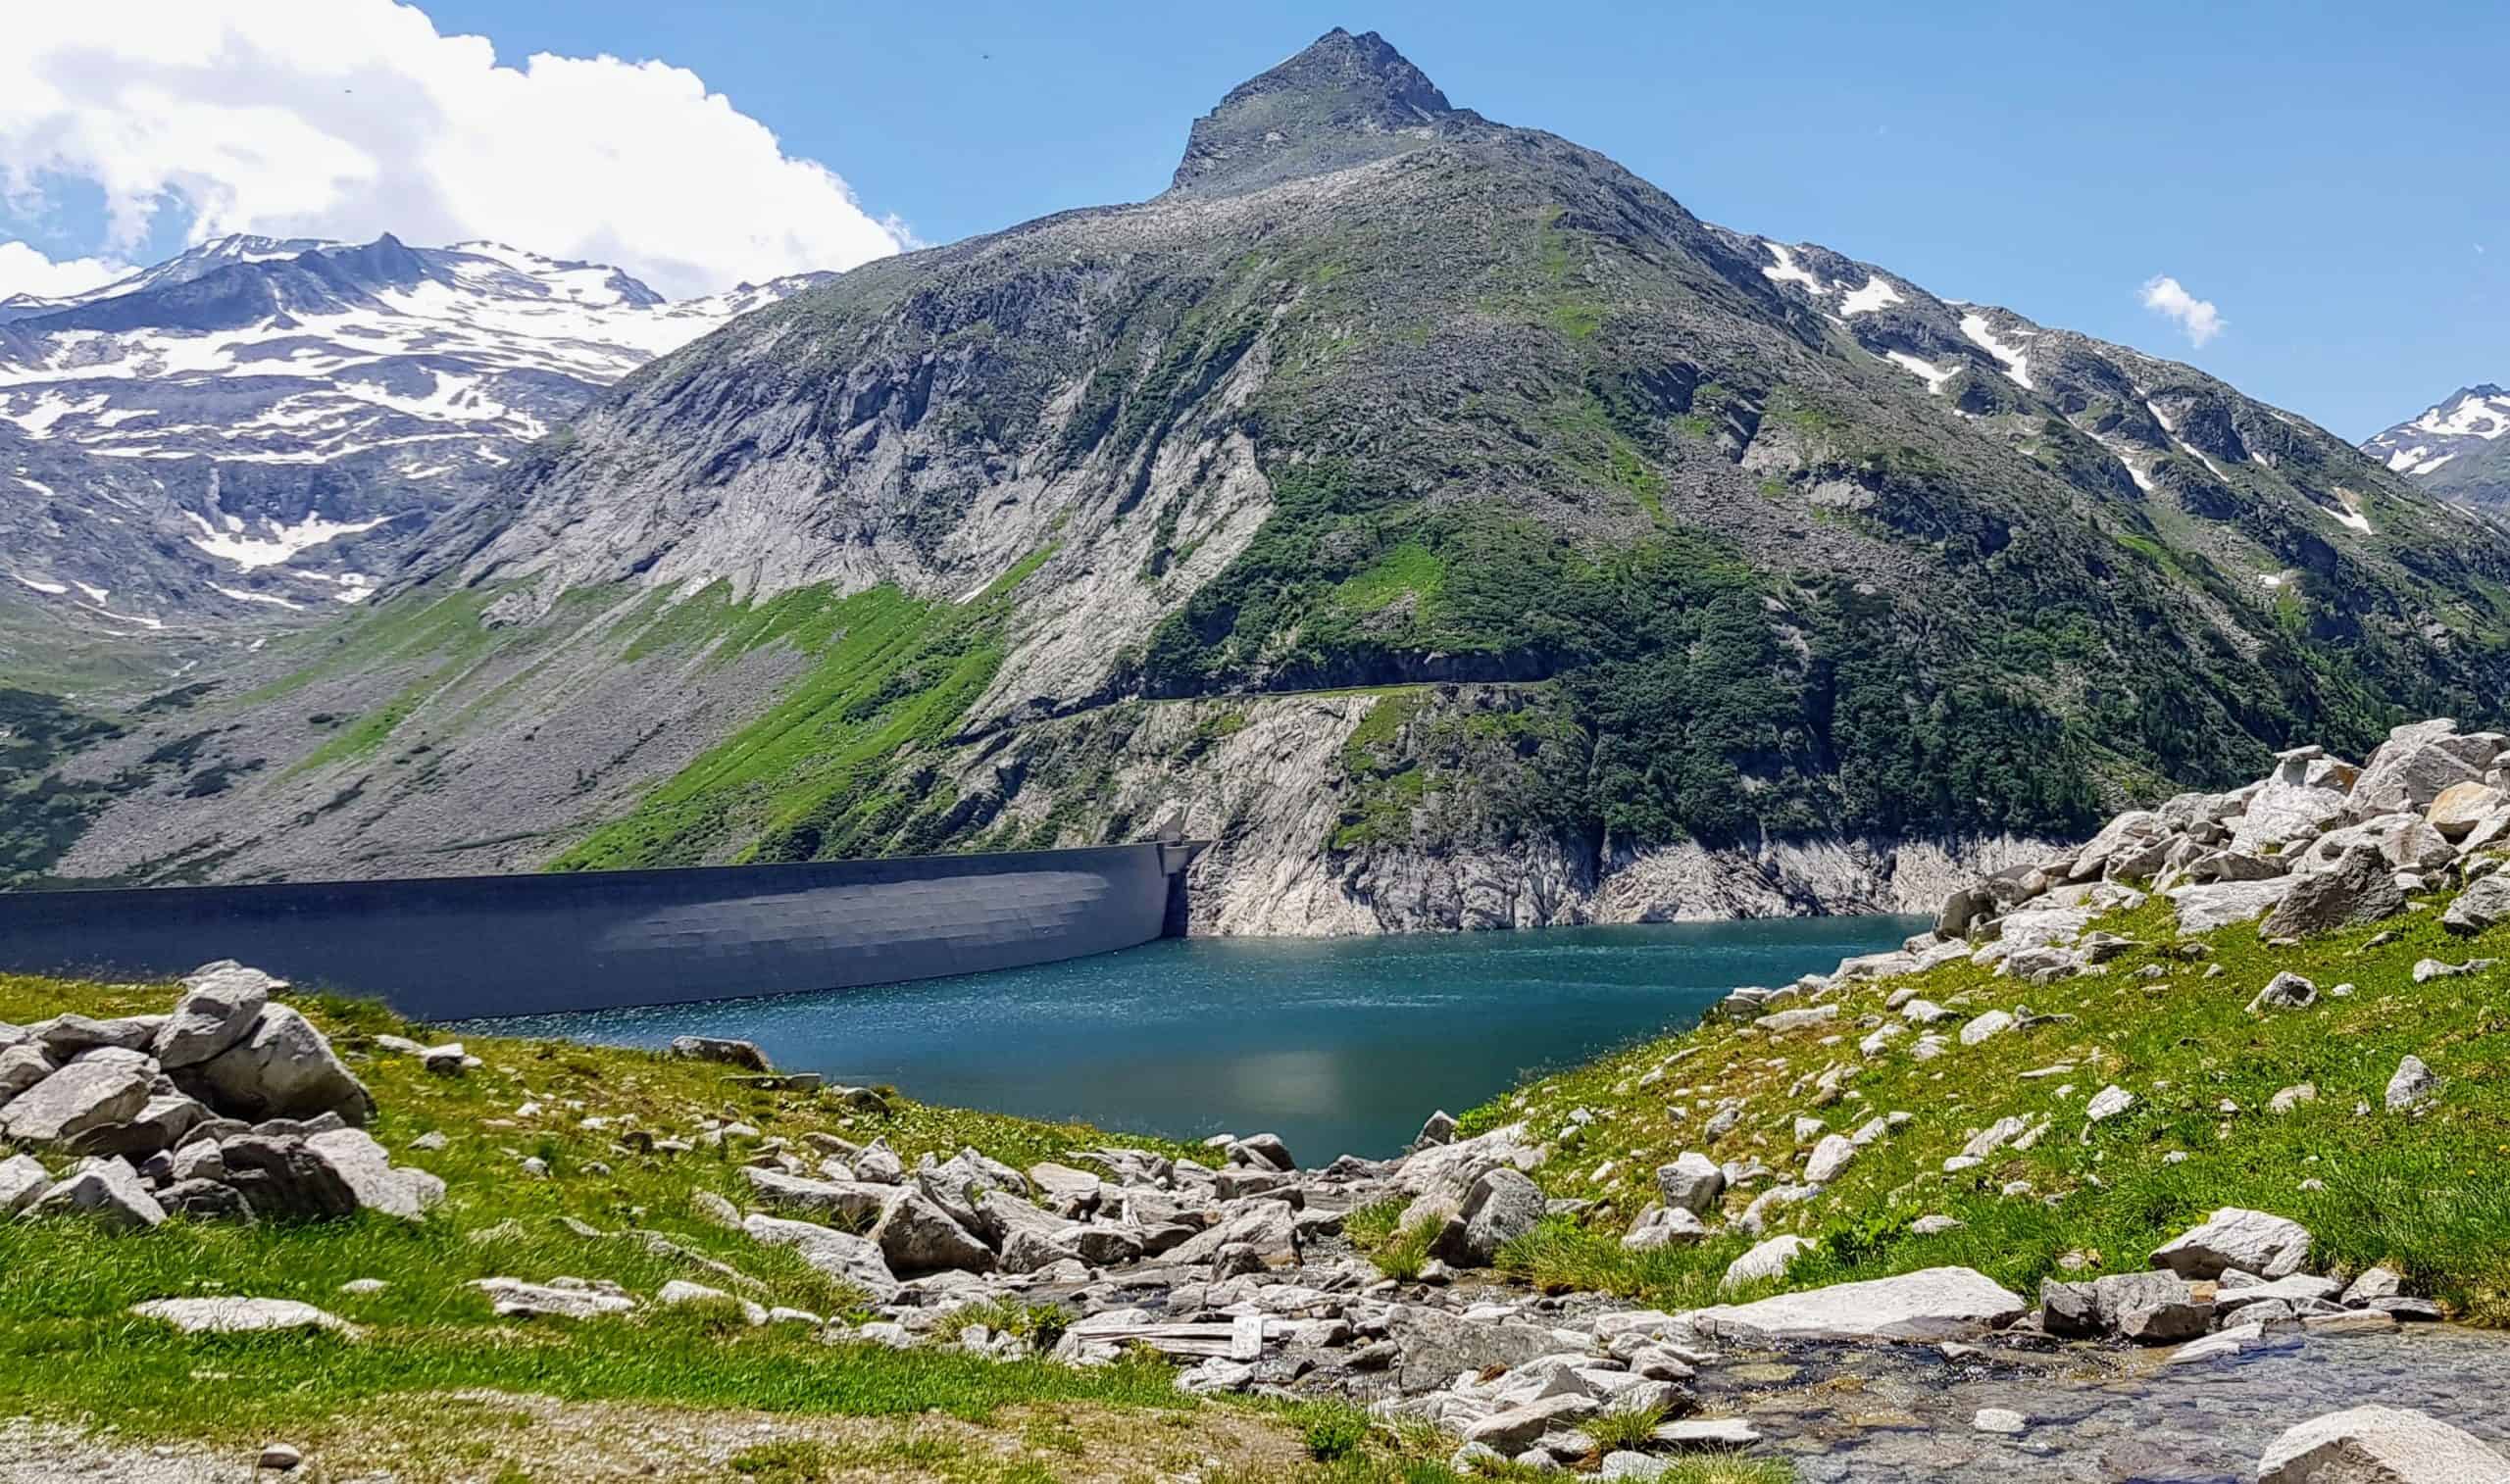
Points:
x=261, y=427
x=2457, y=448
x=1654, y=568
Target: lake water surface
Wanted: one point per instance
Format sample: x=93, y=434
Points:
x=1339, y=1045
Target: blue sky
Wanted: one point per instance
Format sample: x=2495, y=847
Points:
x=2334, y=183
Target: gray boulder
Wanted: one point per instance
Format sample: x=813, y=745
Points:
x=916, y=1235
x=78, y=1098
x=856, y=1203
x=2285, y=812
x=2286, y=991
x=199, y=1200
x=367, y=1172
x=1503, y=1205
x=1662, y=1226
x=2359, y=887
x=2379, y=1445
x=2412, y=1088
x=65, y=1036
x=840, y=1255
x=107, y=1190
x=1693, y=1182
x=221, y=1002
x=2411, y=769
x=2236, y=1240
x=282, y=1068
x=21, y=1180
x=559, y=1298
x=160, y=1124
x=1264, y=1150
x=2202, y=909
x=2480, y=905
x=2151, y=1307
x=2069, y=1311
x=24, y=1066
x=283, y=1179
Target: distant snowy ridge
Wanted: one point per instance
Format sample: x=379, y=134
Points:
x=2460, y=446
x=282, y=414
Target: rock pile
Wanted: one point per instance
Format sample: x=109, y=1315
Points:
x=230, y=1107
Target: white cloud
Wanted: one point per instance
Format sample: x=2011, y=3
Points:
x=351, y=118
x=2198, y=318
x=25, y=271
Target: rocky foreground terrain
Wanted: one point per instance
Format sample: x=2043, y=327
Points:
x=2196, y=1209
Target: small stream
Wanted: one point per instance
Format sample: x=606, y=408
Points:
x=1903, y=1415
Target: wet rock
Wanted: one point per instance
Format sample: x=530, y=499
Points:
x=2233, y=1238
x=282, y=1068
x=1931, y=1303
x=2151, y=1308
x=2069, y=1311
x=2379, y=1445
x=221, y=1000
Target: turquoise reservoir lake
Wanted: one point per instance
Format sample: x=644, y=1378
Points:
x=1339, y=1045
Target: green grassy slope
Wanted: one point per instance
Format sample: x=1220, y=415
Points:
x=2422, y=1192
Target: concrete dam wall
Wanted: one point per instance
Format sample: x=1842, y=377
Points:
x=461, y=947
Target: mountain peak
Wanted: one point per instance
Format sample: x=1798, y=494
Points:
x=1344, y=101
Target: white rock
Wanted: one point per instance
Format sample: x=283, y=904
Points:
x=1769, y=1260
x=1994, y=1022
x=2249, y=1241
x=2379, y=1445
x=108, y=1191
x=239, y=1316
x=2412, y=1088
x=2108, y=1103
x=220, y=1003
x=1931, y=1303
x=80, y=1097
x=282, y=1068
x=1999, y=1419
x=514, y=1298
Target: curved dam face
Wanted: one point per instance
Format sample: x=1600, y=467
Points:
x=469, y=947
